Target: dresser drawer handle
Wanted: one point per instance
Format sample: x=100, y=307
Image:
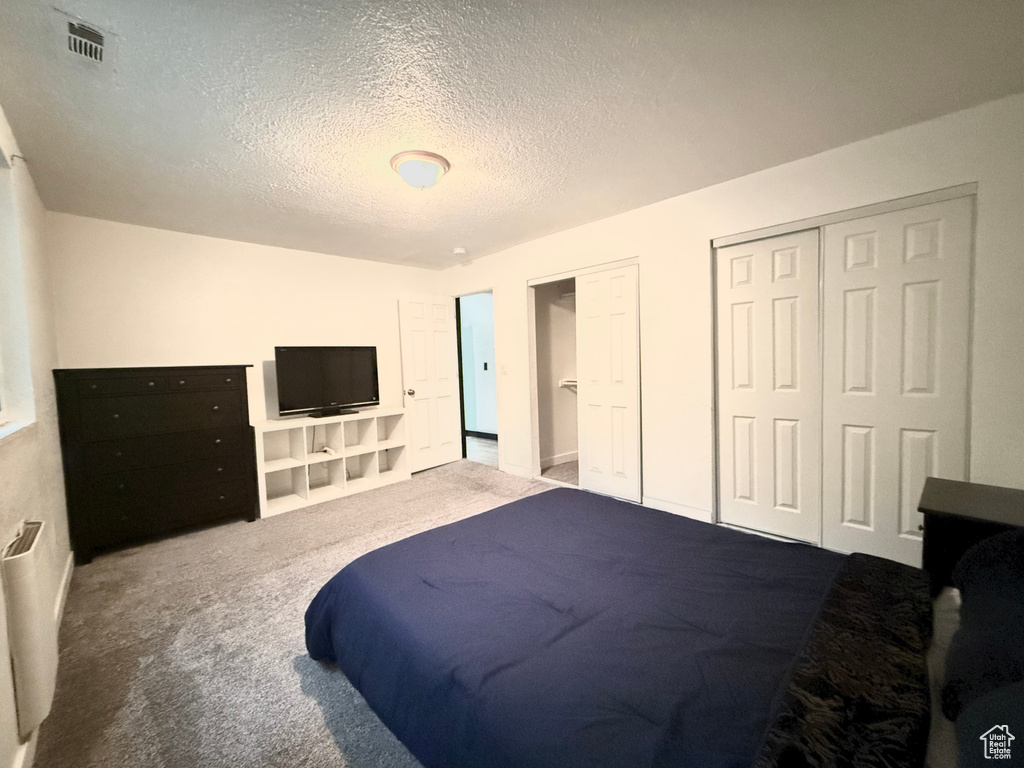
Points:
x=92, y=386
x=118, y=454
x=116, y=416
x=217, y=441
x=220, y=469
x=152, y=383
x=227, y=380
x=221, y=498
x=181, y=383
x=120, y=487
x=216, y=407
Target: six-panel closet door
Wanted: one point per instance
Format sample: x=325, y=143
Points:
x=896, y=350
x=608, y=373
x=769, y=386
x=833, y=441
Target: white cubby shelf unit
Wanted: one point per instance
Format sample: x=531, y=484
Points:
x=308, y=460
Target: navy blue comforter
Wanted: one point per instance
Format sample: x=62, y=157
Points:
x=568, y=629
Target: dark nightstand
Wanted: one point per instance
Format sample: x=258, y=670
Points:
x=957, y=516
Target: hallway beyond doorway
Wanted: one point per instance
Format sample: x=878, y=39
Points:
x=482, y=450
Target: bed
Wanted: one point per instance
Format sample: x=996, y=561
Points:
x=570, y=629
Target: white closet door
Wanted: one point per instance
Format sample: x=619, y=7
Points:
x=608, y=371
x=430, y=377
x=896, y=335
x=769, y=386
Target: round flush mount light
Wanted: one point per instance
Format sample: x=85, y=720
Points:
x=420, y=169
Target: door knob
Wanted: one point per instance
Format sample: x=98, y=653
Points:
x=410, y=392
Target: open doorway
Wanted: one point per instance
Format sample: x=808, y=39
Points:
x=478, y=377
x=555, y=323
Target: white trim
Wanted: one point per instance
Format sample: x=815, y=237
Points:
x=764, y=535
x=12, y=428
x=604, y=267
x=531, y=340
x=62, y=591
x=561, y=458
x=26, y=753
x=704, y=515
x=559, y=483
x=816, y=222
x=512, y=469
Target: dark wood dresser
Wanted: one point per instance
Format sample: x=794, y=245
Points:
x=149, y=451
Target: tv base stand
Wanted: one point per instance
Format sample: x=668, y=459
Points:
x=309, y=460
x=332, y=412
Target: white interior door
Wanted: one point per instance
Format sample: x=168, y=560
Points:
x=896, y=336
x=430, y=378
x=608, y=372
x=769, y=385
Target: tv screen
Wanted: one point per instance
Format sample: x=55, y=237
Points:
x=325, y=379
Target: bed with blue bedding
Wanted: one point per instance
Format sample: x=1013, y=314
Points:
x=569, y=629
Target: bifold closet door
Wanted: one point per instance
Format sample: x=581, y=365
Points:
x=769, y=386
x=896, y=336
x=608, y=374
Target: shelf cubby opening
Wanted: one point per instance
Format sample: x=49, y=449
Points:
x=361, y=468
x=391, y=428
x=391, y=460
x=283, y=449
x=286, y=489
x=359, y=434
x=326, y=479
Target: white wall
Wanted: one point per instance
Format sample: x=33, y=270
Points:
x=31, y=479
x=556, y=360
x=672, y=240
x=479, y=386
x=135, y=296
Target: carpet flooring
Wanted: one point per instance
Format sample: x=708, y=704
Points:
x=569, y=472
x=190, y=651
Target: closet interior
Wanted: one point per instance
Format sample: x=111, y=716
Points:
x=555, y=307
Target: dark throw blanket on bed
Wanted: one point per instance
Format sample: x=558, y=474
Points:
x=569, y=629
x=858, y=694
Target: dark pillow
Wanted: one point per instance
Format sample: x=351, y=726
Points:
x=979, y=661
x=995, y=564
x=987, y=651
x=1002, y=710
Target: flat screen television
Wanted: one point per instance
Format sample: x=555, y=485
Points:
x=324, y=381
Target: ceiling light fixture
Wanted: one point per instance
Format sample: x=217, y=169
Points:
x=420, y=169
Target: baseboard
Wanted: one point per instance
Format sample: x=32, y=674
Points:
x=26, y=753
x=561, y=458
x=764, y=535
x=675, y=508
x=62, y=590
x=512, y=469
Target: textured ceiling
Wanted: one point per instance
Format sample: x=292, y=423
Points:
x=273, y=121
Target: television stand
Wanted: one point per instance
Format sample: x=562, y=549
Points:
x=332, y=412
x=294, y=469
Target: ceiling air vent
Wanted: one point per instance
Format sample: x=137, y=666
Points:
x=85, y=41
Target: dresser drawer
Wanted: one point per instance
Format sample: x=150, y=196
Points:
x=123, y=386
x=189, y=382
x=157, y=450
x=168, y=480
x=113, y=524
x=107, y=417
